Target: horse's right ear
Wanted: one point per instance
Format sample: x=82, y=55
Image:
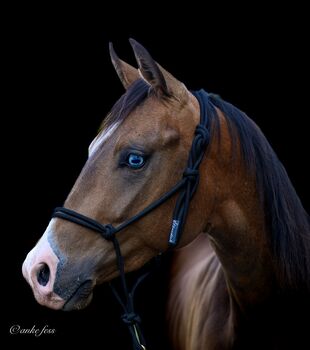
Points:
x=125, y=71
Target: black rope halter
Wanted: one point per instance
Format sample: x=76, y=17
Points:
x=186, y=188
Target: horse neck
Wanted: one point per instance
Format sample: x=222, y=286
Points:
x=237, y=230
x=253, y=241
x=240, y=242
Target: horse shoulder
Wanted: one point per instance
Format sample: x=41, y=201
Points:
x=199, y=309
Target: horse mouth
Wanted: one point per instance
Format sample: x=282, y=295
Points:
x=80, y=298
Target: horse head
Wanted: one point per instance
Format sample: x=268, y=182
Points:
x=138, y=155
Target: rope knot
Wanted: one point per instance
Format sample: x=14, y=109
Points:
x=131, y=318
x=203, y=132
x=109, y=232
x=191, y=174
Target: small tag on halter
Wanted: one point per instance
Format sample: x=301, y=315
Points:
x=173, y=238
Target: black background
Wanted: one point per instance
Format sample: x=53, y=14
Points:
x=60, y=86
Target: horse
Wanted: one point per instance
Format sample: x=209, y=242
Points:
x=240, y=270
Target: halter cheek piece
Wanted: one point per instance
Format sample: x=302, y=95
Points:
x=186, y=188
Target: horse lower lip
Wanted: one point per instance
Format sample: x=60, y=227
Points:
x=81, y=294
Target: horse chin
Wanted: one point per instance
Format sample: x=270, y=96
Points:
x=80, y=298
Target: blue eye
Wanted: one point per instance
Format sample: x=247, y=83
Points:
x=135, y=161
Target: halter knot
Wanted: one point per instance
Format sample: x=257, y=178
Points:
x=191, y=174
x=109, y=232
x=131, y=318
x=203, y=132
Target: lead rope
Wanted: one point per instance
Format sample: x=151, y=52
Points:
x=186, y=186
x=129, y=317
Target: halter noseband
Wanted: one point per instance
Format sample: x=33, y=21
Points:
x=186, y=186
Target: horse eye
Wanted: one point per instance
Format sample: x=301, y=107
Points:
x=135, y=161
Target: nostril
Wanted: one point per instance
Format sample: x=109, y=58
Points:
x=43, y=275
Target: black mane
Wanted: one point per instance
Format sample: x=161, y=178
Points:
x=285, y=218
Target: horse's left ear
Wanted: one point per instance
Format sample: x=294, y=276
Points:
x=161, y=81
x=126, y=73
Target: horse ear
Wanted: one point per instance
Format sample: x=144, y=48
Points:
x=162, y=81
x=149, y=69
x=126, y=73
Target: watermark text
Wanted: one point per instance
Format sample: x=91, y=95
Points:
x=34, y=330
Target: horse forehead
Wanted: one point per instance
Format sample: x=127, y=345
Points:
x=148, y=120
x=101, y=138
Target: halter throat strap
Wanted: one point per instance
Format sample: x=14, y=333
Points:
x=186, y=187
